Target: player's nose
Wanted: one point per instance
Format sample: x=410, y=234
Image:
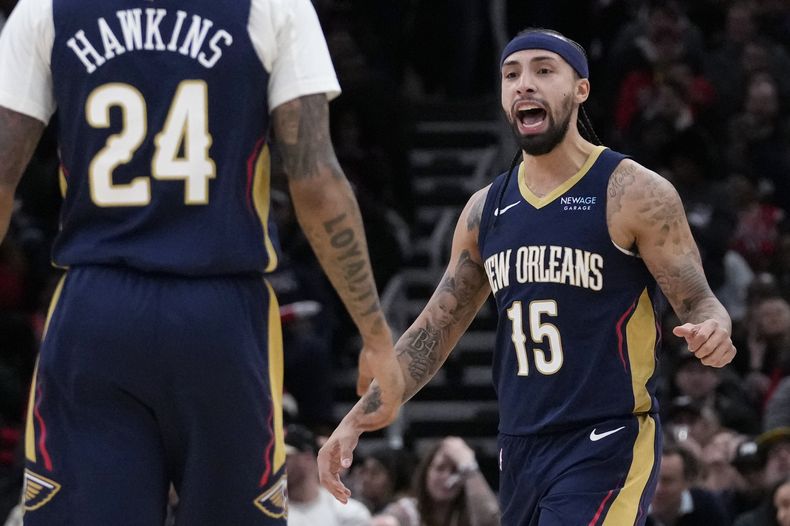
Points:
x=526, y=84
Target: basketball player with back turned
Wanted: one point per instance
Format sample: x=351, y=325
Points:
x=575, y=242
x=162, y=358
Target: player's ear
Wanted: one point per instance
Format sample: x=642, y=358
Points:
x=582, y=90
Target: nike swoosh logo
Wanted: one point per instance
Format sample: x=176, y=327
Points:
x=499, y=212
x=595, y=437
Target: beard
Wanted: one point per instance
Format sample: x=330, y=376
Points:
x=543, y=143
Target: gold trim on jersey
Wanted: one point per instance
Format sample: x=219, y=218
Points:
x=276, y=379
x=625, y=507
x=261, y=196
x=540, y=202
x=63, y=184
x=30, y=429
x=641, y=340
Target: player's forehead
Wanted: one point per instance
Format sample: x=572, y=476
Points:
x=525, y=57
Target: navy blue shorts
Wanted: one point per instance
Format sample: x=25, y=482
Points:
x=604, y=474
x=147, y=380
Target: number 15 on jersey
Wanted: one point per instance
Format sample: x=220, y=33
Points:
x=540, y=331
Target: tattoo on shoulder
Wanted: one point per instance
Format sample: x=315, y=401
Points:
x=622, y=178
x=475, y=212
x=372, y=401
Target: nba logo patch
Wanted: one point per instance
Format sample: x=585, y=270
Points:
x=274, y=501
x=38, y=490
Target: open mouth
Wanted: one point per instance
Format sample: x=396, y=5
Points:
x=530, y=117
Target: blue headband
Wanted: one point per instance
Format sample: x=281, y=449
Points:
x=550, y=42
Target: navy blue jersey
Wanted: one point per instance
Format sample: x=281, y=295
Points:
x=578, y=325
x=162, y=125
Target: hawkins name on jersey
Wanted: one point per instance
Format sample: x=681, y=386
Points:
x=546, y=264
x=137, y=31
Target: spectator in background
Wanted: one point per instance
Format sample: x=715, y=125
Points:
x=449, y=490
x=774, y=511
x=756, y=235
x=758, y=138
x=739, y=55
x=678, y=502
x=781, y=261
x=659, y=36
x=721, y=476
x=308, y=503
x=383, y=477
x=781, y=501
x=718, y=393
x=777, y=411
x=774, y=445
x=750, y=464
x=768, y=345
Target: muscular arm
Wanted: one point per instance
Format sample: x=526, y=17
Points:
x=19, y=135
x=424, y=347
x=327, y=209
x=644, y=212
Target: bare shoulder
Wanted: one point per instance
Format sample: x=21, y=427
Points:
x=640, y=200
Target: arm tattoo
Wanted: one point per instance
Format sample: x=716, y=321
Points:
x=686, y=288
x=372, y=400
x=302, y=130
x=424, y=348
x=354, y=264
x=620, y=181
x=421, y=350
x=649, y=204
x=334, y=229
x=475, y=213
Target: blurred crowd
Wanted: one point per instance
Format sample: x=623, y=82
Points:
x=696, y=90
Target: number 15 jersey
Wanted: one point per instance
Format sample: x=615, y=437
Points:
x=578, y=325
x=163, y=115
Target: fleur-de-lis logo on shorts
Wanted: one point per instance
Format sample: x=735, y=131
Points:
x=38, y=490
x=274, y=501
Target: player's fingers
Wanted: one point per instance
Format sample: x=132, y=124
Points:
x=684, y=331
x=702, y=334
x=721, y=355
x=709, y=345
x=329, y=466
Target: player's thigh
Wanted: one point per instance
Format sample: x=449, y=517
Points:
x=612, y=478
x=223, y=419
x=92, y=446
x=95, y=461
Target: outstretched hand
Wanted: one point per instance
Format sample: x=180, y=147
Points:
x=335, y=457
x=709, y=341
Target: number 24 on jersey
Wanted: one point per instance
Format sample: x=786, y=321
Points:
x=181, y=147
